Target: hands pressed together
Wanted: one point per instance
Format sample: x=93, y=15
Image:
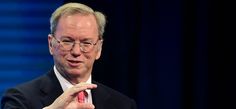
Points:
x=68, y=100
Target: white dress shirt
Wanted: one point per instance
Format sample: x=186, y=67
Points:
x=65, y=84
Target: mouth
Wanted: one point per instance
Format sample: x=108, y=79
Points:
x=74, y=63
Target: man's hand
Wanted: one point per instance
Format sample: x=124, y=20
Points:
x=68, y=99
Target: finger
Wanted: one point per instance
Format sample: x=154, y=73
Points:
x=85, y=106
x=85, y=85
x=80, y=87
x=70, y=94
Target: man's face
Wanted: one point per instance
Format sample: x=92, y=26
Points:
x=74, y=62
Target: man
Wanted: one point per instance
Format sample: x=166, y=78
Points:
x=75, y=43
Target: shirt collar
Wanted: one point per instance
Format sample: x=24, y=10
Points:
x=65, y=84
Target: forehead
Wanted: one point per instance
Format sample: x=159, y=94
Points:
x=77, y=25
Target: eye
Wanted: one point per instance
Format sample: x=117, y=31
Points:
x=86, y=43
x=67, y=41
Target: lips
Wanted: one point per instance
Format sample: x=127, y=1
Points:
x=74, y=63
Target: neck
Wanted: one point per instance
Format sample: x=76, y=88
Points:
x=78, y=80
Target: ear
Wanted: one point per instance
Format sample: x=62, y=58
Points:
x=99, y=50
x=50, y=37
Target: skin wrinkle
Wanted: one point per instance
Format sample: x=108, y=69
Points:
x=77, y=27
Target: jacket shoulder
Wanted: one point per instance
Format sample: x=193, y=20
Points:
x=19, y=96
x=114, y=98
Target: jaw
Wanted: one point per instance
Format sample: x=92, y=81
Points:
x=75, y=74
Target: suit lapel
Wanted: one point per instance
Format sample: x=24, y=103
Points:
x=50, y=88
x=100, y=96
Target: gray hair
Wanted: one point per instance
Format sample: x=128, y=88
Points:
x=74, y=8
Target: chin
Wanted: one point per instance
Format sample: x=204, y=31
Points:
x=75, y=72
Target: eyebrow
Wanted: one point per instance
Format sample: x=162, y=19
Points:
x=82, y=39
x=67, y=37
x=86, y=39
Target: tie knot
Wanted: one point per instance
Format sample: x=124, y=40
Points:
x=82, y=96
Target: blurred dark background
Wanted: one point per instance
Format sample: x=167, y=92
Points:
x=166, y=54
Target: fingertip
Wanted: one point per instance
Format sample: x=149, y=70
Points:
x=95, y=85
x=87, y=105
x=91, y=87
x=93, y=107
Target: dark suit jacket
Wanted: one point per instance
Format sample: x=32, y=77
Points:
x=42, y=91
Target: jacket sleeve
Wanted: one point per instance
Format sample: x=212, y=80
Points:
x=14, y=99
x=134, y=105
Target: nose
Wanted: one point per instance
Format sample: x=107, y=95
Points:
x=76, y=50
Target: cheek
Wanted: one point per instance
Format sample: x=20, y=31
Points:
x=59, y=53
x=87, y=58
x=90, y=57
